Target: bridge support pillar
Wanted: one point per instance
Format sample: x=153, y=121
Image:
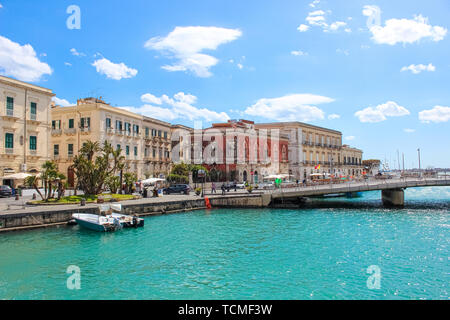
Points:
x=394, y=197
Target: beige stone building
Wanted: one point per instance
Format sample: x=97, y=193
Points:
x=157, y=148
x=145, y=142
x=312, y=146
x=24, y=125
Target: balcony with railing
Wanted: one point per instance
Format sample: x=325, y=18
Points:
x=56, y=132
x=10, y=115
x=8, y=153
x=85, y=130
x=70, y=131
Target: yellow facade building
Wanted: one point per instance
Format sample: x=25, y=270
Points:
x=145, y=142
x=24, y=125
x=314, y=149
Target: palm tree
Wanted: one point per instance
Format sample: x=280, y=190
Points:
x=33, y=181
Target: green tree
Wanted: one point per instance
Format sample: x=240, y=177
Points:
x=94, y=165
x=33, y=182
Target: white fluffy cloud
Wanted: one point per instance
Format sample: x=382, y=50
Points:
x=21, y=62
x=303, y=28
x=115, y=71
x=437, y=114
x=178, y=107
x=74, y=52
x=407, y=130
x=350, y=138
x=381, y=112
x=185, y=45
x=407, y=31
x=299, y=53
x=62, y=102
x=318, y=19
x=418, y=68
x=295, y=107
x=334, y=117
x=314, y=3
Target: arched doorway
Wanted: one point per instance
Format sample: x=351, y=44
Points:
x=71, y=177
x=256, y=177
x=245, y=176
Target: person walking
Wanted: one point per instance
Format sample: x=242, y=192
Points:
x=223, y=189
x=213, y=188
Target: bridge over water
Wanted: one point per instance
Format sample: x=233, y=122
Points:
x=392, y=190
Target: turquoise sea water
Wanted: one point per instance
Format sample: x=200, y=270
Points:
x=314, y=253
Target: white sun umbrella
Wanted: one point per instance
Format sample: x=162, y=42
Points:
x=152, y=181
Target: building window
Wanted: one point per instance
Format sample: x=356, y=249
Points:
x=33, y=110
x=70, y=150
x=9, y=141
x=127, y=127
x=71, y=123
x=118, y=125
x=154, y=153
x=33, y=143
x=56, y=124
x=56, y=150
x=118, y=147
x=136, y=128
x=9, y=106
x=165, y=134
x=159, y=133
x=147, y=131
x=85, y=123
x=108, y=123
x=146, y=152
x=128, y=150
x=136, y=151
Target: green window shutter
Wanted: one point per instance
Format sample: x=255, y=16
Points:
x=33, y=108
x=33, y=142
x=70, y=149
x=128, y=150
x=135, y=151
x=9, y=106
x=71, y=123
x=56, y=149
x=9, y=141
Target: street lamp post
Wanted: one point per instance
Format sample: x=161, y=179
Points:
x=420, y=169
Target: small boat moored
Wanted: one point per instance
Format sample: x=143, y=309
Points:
x=109, y=219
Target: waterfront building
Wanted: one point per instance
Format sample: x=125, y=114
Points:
x=24, y=125
x=315, y=150
x=145, y=142
x=352, y=161
x=233, y=151
x=157, y=148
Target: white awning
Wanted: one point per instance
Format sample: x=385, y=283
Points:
x=17, y=176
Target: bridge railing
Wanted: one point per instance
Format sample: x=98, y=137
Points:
x=367, y=183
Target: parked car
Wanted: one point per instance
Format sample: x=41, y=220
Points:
x=240, y=185
x=5, y=191
x=178, y=188
x=266, y=185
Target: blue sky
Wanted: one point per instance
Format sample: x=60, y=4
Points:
x=319, y=62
